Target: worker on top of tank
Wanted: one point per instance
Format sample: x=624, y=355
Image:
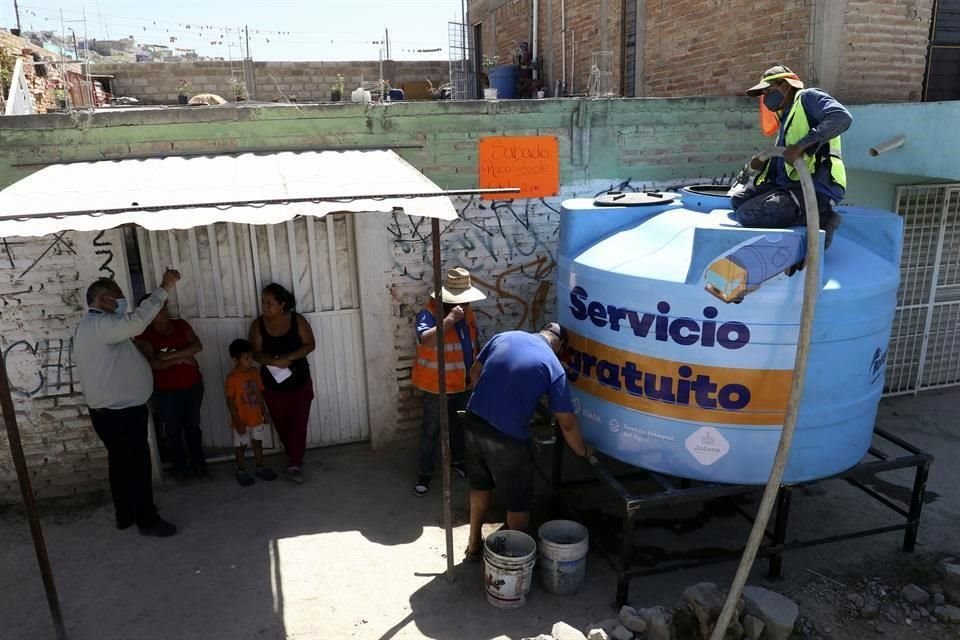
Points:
x=811, y=122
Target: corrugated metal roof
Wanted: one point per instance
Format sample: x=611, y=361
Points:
x=179, y=192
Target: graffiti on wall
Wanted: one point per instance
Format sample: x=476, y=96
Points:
x=509, y=247
x=104, y=248
x=40, y=368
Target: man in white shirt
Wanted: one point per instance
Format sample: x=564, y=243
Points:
x=117, y=382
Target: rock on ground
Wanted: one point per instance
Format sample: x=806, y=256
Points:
x=621, y=633
x=597, y=634
x=630, y=619
x=563, y=631
x=777, y=612
x=948, y=613
x=706, y=600
x=914, y=594
x=752, y=627
x=658, y=621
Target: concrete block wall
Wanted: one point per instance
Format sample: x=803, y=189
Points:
x=158, y=83
x=510, y=247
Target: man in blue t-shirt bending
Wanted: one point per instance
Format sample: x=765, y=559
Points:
x=511, y=372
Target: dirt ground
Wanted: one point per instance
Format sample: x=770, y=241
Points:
x=353, y=554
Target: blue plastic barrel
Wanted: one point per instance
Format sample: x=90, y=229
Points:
x=504, y=80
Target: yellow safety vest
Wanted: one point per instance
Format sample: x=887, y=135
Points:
x=795, y=129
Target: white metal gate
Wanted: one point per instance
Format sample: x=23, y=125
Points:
x=925, y=342
x=224, y=268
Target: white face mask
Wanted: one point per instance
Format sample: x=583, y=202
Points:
x=121, y=306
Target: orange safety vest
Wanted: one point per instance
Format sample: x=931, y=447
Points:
x=425, y=368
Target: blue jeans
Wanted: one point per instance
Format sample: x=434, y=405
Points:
x=770, y=206
x=179, y=413
x=430, y=436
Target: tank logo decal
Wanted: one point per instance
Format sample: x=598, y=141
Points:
x=707, y=445
x=877, y=365
x=700, y=393
x=660, y=326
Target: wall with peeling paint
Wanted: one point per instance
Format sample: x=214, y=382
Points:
x=509, y=246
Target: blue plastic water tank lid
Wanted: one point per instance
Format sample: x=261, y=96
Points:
x=634, y=199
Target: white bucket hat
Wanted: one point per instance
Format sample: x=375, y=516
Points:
x=457, y=288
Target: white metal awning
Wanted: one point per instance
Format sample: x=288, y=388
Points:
x=179, y=192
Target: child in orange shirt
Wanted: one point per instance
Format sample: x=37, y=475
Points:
x=244, y=392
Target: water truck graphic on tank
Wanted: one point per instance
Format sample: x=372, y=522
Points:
x=744, y=269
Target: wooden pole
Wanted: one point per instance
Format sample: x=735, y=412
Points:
x=29, y=503
x=444, y=421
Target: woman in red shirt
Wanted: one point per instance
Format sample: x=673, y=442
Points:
x=169, y=345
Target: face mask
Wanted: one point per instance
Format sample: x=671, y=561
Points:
x=121, y=306
x=773, y=100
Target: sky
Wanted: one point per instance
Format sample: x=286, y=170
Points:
x=279, y=29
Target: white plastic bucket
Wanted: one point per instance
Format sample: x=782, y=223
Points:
x=508, y=559
x=563, y=556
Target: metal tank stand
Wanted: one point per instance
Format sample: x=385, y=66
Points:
x=673, y=491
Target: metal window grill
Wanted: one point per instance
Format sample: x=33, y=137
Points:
x=462, y=81
x=924, y=348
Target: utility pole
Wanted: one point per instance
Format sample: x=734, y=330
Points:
x=386, y=40
x=76, y=50
x=16, y=10
x=249, y=78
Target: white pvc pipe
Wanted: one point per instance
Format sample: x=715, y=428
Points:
x=563, y=44
x=535, y=39
x=889, y=145
x=811, y=291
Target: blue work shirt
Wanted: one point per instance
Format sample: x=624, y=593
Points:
x=518, y=368
x=425, y=320
x=828, y=119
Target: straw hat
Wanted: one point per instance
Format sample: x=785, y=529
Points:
x=457, y=288
x=772, y=75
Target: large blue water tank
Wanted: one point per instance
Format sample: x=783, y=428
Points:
x=684, y=328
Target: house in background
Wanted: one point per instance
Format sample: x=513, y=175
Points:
x=861, y=51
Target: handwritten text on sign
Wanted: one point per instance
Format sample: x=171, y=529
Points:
x=531, y=163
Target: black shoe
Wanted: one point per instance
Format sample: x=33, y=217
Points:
x=244, y=478
x=125, y=523
x=266, y=473
x=423, y=485
x=460, y=469
x=830, y=225
x=159, y=528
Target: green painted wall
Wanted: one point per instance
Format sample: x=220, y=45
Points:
x=875, y=189
x=644, y=139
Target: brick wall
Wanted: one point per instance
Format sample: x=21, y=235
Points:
x=697, y=47
x=512, y=26
x=157, y=83
x=42, y=286
x=510, y=247
x=592, y=26
x=885, y=53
